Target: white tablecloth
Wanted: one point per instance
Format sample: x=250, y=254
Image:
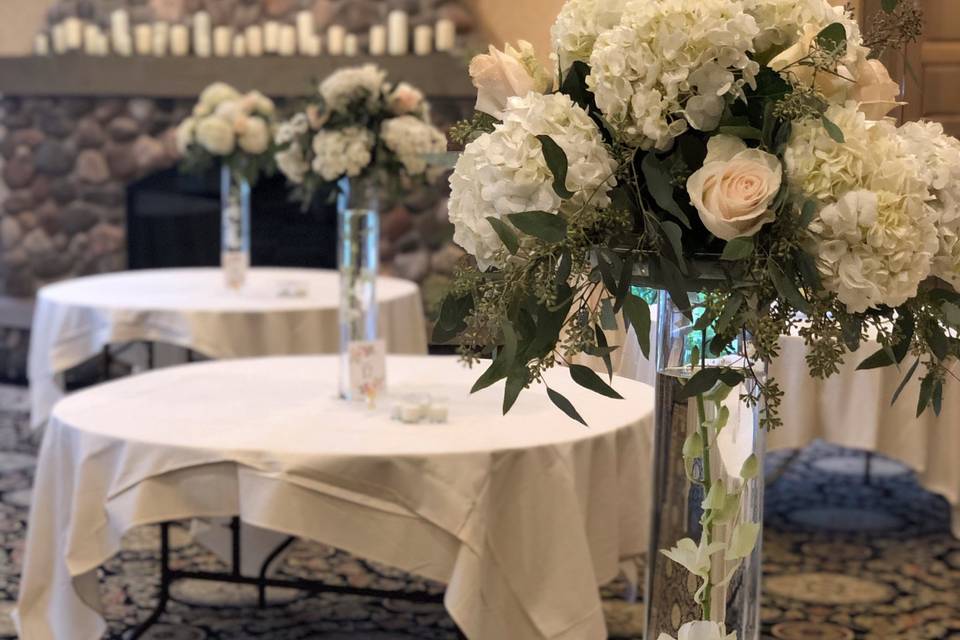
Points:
x=192, y=308
x=521, y=516
x=851, y=409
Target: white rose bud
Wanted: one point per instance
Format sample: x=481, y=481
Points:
x=498, y=76
x=875, y=91
x=735, y=187
x=255, y=137
x=216, y=136
x=405, y=99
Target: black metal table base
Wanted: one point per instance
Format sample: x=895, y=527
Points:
x=169, y=575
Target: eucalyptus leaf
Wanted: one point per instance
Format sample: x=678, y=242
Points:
x=882, y=358
x=926, y=394
x=674, y=235
x=889, y=5
x=561, y=402
x=903, y=383
x=507, y=235
x=738, y=248
x=699, y=383
x=807, y=213
x=557, y=163
x=832, y=37
x=516, y=382
x=786, y=288
x=661, y=187
x=637, y=312
x=730, y=311
x=549, y=227
x=588, y=379
x=833, y=130
x=937, y=340
x=937, y=398
x=751, y=467
x=604, y=349
x=952, y=314
x=503, y=361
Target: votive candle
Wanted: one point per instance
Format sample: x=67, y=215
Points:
x=41, y=44
x=351, y=46
x=161, y=39
x=201, y=34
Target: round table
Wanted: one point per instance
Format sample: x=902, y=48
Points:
x=522, y=516
x=850, y=409
x=277, y=312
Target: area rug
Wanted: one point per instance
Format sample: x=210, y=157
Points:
x=847, y=556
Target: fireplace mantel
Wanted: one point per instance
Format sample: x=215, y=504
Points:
x=438, y=75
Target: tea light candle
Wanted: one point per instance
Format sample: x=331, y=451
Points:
x=398, y=33
x=179, y=40
x=254, y=37
x=423, y=40
x=239, y=46
x=161, y=39
x=288, y=40
x=201, y=34
x=143, y=39
x=446, y=35
x=335, y=39
x=271, y=37
x=351, y=46
x=222, y=41
x=41, y=45
x=378, y=40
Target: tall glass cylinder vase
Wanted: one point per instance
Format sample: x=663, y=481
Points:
x=235, y=227
x=358, y=252
x=704, y=558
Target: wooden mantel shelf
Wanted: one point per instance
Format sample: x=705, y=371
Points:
x=437, y=75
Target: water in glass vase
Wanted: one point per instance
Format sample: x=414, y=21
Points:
x=704, y=558
x=362, y=360
x=235, y=227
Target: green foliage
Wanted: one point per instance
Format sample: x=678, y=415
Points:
x=557, y=163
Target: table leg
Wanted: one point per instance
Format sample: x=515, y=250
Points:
x=165, y=580
x=261, y=584
x=105, y=363
x=867, y=466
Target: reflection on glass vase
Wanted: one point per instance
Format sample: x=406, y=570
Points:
x=704, y=558
x=358, y=254
x=234, y=227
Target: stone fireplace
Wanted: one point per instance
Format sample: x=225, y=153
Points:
x=75, y=131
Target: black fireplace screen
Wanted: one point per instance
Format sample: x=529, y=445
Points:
x=173, y=220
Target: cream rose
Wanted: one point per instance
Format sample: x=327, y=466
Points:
x=184, y=135
x=405, y=99
x=734, y=188
x=833, y=87
x=255, y=137
x=875, y=91
x=497, y=77
x=217, y=93
x=216, y=135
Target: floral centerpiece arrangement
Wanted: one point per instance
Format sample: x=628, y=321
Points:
x=235, y=131
x=361, y=127
x=230, y=128
x=735, y=154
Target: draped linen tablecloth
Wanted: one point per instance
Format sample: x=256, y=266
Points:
x=850, y=409
x=522, y=516
x=277, y=312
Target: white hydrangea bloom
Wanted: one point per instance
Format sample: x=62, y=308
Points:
x=345, y=86
x=578, y=25
x=875, y=235
x=292, y=128
x=670, y=63
x=292, y=163
x=505, y=172
x=342, y=152
x=782, y=22
x=939, y=157
x=412, y=139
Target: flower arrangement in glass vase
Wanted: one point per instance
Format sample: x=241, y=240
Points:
x=359, y=138
x=235, y=131
x=736, y=155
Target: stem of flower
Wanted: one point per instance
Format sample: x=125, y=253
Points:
x=707, y=483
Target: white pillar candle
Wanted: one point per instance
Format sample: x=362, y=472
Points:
x=143, y=39
x=446, y=33
x=306, y=30
x=271, y=37
x=310, y=46
x=378, y=40
x=179, y=40
x=161, y=39
x=104, y=45
x=254, y=37
x=123, y=46
x=423, y=40
x=73, y=34
x=222, y=41
x=351, y=45
x=335, y=39
x=398, y=33
x=201, y=34
x=58, y=35
x=119, y=23
x=41, y=45
x=91, y=39
x=239, y=48
x=288, y=40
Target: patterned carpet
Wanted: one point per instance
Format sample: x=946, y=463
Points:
x=845, y=558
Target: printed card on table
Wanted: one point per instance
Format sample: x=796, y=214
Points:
x=368, y=368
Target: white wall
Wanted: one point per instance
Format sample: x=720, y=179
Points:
x=19, y=21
